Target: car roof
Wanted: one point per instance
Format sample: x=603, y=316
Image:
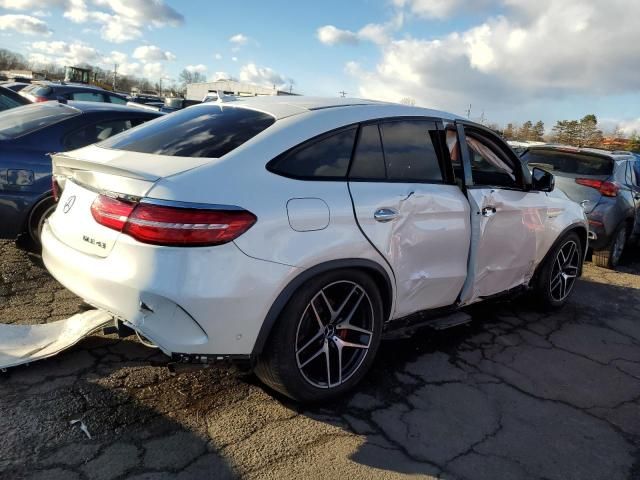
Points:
x=75, y=86
x=289, y=105
x=615, y=155
x=88, y=107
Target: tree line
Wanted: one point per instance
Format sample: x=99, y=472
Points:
x=14, y=61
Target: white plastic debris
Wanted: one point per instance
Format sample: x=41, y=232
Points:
x=83, y=427
x=20, y=344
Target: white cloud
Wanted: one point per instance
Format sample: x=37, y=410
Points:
x=239, y=39
x=153, y=70
x=234, y=59
x=64, y=53
x=331, y=35
x=629, y=127
x=200, y=68
x=152, y=53
x=118, y=20
x=545, y=49
x=24, y=24
x=217, y=56
x=220, y=76
x=372, y=32
x=266, y=76
x=441, y=9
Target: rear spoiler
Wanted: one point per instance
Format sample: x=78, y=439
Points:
x=64, y=164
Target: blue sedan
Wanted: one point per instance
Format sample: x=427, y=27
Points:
x=28, y=134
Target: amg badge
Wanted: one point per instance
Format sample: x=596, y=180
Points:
x=93, y=241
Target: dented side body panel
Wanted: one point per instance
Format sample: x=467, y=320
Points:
x=508, y=245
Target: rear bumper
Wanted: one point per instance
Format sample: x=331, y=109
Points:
x=603, y=221
x=209, y=300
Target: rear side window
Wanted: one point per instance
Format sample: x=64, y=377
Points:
x=368, y=160
x=21, y=121
x=409, y=151
x=118, y=100
x=87, y=97
x=327, y=157
x=211, y=132
x=6, y=102
x=568, y=162
x=95, y=133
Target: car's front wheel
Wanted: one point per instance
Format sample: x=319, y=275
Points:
x=326, y=338
x=559, y=272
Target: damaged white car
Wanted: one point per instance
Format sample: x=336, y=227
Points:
x=294, y=232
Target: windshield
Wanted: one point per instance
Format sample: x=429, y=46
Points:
x=209, y=131
x=580, y=163
x=22, y=120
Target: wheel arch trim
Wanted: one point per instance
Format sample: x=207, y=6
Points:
x=294, y=285
x=582, y=230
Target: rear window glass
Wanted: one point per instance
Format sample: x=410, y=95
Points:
x=568, y=162
x=38, y=90
x=22, y=120
x=327, y=157
x=211, y=131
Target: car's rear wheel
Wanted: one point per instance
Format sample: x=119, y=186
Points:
x=559, y=272
x=610, y=257
x=326, y=338
x=39, y=215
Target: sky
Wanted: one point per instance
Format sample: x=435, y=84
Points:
x=510, y=60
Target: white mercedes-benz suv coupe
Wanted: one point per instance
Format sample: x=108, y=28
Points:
x=294, y=232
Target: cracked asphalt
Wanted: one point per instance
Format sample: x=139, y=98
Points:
x=517, y=394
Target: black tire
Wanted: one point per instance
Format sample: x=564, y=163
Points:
x=278, y=366
x=36, y=220
x=545, y=286
x=610, y=257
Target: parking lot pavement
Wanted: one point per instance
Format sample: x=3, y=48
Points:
x=517, y=394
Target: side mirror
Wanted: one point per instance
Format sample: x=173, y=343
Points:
x=542, y=181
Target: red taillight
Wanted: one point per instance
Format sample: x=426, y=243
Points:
x=55, y=188
x=111, y=212
x=608, y=189
x=40, y=99
x=163, y=225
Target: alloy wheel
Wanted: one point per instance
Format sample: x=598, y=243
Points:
x=334, y=334
x=564, y=271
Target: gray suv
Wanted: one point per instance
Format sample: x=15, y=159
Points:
x=607, y=185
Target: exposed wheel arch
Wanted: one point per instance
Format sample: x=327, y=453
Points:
x=378, y=273
x=578, y=228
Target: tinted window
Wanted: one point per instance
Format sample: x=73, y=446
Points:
x=23, y=120
x=326, y=157
x=568, y=162
x=38, y=90
x=95, y=133
x=409, y=152
x=368, y=161
x=210, y=131
x=87, y=97
x=7, y=102
x=118, y=100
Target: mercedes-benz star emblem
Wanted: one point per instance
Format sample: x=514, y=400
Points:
x=69, y=203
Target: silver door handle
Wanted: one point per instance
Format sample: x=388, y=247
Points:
x=488, y=211
x=385, y=214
